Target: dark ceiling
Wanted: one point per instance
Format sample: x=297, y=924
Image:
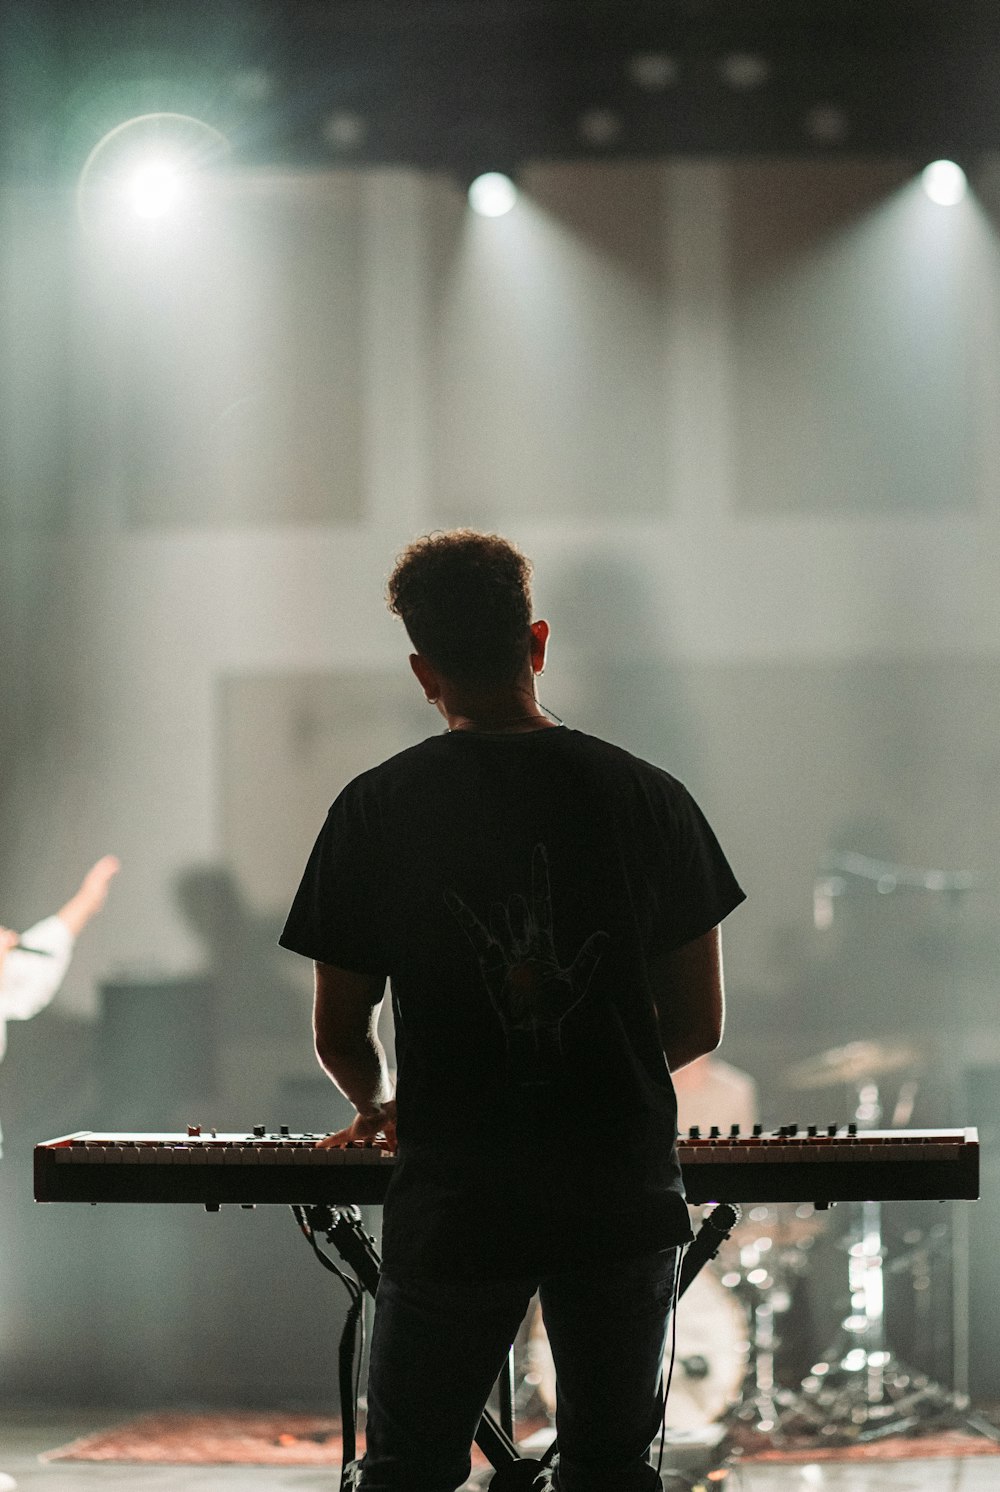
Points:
x=469, y=84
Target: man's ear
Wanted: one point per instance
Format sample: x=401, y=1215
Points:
x=539, y=643
x=426, y=677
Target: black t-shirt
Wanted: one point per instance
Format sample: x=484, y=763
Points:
x=515, y=889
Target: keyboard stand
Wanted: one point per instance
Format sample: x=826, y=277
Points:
x=494, y=1437
x=343, y=1229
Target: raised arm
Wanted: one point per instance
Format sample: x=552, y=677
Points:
x=689, y=994
x=91, y=895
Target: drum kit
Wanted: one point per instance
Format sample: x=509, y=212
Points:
x=742, y=1317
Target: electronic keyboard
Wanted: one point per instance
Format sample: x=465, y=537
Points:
x=836, y=1164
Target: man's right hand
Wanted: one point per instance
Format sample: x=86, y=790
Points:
x=364, y=1129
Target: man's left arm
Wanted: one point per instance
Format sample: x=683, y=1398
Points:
x=345, y=1021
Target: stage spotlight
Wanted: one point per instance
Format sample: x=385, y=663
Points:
x=146, y=170
x=155, y=188
x=492, y=194
x=944, y=182
x=345, y=130
x=600, y=126
x=827, y=124
x=653, y=71
x=745, y=71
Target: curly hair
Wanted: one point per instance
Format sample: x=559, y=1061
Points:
x=465, y=601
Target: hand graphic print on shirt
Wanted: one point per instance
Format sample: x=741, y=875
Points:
x=531, y=992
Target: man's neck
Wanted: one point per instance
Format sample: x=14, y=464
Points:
x=506, y=725
x=512, y=710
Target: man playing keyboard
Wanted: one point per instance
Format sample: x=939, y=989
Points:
x=546, y=909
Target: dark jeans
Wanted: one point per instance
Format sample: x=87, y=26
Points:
x=439, y=1345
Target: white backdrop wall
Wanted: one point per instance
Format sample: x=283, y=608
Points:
x=743, y=417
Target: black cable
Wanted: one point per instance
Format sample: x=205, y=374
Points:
x=348, y=1384
x=673, y=1356
x=349, y=1377
x=712, y=1234
x=361, y=1351
x=353, y=1288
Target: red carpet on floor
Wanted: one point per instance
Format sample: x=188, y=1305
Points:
x=270, y=1439
x=235, y=1439
x=943, y=1444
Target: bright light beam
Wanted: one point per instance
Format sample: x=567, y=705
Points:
x=155, y=189
x=147, y=171
x=492, y=194
x=944, y=182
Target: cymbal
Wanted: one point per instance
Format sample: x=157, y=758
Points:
x=854, y=1063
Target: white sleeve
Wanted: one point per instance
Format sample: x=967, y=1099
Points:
x=29, y=980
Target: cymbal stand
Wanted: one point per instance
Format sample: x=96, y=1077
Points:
x=765, y=1407
x=861, y=1388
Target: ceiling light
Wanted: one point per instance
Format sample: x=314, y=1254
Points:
x=600, y=126
x=745, y=71
x=344, y=130
x=944, y=182
x=827, y=123
x=151, y=168
x=154, y=188
x=492, y=194
x=653, y=71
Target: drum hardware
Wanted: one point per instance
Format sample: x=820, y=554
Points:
x=863, y=1391
x=860, y=1390
x=770, y=1251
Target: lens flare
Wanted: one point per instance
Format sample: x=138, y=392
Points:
x=155, y=189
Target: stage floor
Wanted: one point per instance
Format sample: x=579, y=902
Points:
x=25, y=1434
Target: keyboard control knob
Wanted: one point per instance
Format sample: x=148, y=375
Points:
x=812, y=1131
x=758, y=1129
x=734, y=1130
x=285, y=1130
x=694, y=1132
x=194, y=1130
x=713, y=1133
x=852, y=1129
x=831, y=1130
x=260, y=1131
